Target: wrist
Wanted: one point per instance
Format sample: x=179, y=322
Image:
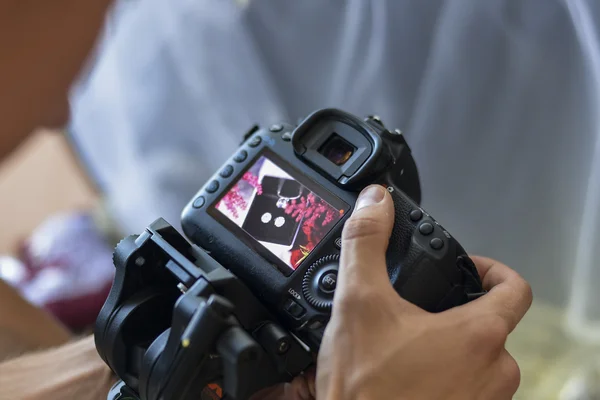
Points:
x=73, y=370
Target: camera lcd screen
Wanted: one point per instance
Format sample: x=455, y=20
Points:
x=280, y=212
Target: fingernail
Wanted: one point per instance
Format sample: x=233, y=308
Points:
x=370, y=196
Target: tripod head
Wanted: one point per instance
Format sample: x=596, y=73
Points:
x=178, y=325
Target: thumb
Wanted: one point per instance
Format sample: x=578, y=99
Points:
x=365, y=239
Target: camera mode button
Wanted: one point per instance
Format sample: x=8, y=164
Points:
x=276, y=128
x=255, y=141
x=294, y=309
x=199, y=202
x=212, y=187
x=226, y=171
x=241, y=156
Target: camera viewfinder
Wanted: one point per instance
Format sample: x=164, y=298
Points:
x=337, y=150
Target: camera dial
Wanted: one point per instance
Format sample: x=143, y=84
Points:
x=320, y=280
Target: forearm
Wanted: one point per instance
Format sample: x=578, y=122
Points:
x=44, y=46
x=72, y=371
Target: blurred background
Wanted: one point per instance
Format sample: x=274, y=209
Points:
x=498, y=100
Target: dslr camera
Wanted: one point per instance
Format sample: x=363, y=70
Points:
x=242, y=303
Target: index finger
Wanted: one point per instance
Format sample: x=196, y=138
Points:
x=509, y=295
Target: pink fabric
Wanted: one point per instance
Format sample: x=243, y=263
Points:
x=65, y=267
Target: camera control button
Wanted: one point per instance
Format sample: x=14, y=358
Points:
x=226, y=171
x=338, y=243
x=315, y=324
x=426, y=228
x=286, y=136
x=255, y=141
x=276, y=128
x=374, y=118
x=328, y=281
x=416, y=215
x=320, y=280
x=212, y=187
x=293, y=308
x=436, y=243
x=241, y=156
x=199, y=202
x=250, y=133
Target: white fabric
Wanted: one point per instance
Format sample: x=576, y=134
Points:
x=498, y=99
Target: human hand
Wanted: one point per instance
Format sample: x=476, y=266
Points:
x=379, y=346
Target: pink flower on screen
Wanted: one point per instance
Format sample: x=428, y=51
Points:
x=234, y=200
x=252, y=180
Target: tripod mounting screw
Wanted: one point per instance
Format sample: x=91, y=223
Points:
x=283, y=346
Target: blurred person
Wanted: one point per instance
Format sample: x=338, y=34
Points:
x=497, y=100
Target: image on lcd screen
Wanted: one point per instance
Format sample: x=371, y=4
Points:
x=278, y=212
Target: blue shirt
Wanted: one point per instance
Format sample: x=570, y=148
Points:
x=498, y=100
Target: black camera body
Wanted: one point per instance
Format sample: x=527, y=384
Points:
x=274, y=214
x=245, y=304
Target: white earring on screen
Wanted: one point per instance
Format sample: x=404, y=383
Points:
x=266, y=218
x=279, y=221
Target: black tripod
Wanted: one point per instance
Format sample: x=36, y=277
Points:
x=178, y=325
